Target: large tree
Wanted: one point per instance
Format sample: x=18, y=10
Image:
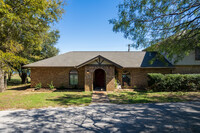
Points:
x=48, y=46
x=25, y=27
x=47, y=50
x=172, y=26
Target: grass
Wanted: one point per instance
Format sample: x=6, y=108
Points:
x=18, y=97
x=152, y=97
x=13, y=99
x=16, y=82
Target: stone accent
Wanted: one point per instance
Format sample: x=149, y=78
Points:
x=110, y=77
x=59, y=76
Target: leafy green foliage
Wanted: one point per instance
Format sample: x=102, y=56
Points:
x=174, y=82
x=51, y=86
x=154, y=78
x=173, y=25
x=24, y=24
x=38, y=86
x=48, y=47
x=9, y=61
x=25, y=32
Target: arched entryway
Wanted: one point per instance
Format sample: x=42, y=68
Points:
x=99, y=81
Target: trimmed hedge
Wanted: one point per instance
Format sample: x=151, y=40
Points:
x=173, y=82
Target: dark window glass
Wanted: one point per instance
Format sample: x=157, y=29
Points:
x=126, y=78
x=73, y=77
x=197, y=53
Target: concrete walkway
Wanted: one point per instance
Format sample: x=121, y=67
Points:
x=100, y=97
x=106, y=117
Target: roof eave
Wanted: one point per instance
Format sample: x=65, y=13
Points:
x=44, y=66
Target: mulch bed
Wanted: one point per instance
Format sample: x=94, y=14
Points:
x=40, y=90
x=53, y=90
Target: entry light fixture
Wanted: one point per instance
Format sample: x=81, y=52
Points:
x=88, y=71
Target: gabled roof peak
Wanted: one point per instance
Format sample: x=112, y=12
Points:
x=98, y=57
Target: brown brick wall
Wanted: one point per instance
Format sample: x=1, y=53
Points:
x=110, y=77
x=59, y=76
x=187, y=69
x=139, y=75
x=81, y=77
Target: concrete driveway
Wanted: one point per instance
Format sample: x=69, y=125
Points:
x=160, y=117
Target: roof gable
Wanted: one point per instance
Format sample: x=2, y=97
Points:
x=100, y=60
x=149, y=56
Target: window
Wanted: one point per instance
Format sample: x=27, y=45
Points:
x=126, y=78
x=73, y=77
x=197, y=53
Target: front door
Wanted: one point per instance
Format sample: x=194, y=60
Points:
x=99, y=80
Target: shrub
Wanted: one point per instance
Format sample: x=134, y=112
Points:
x=134, y=87
x=38, y=86
x=174, y=82
x=154, y=78
x=51, y=86
x=116, y=83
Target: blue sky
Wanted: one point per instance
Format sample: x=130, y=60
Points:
x=85, y=27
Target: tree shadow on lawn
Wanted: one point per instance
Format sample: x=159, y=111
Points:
x=155, y=99
x=24, y=87
x=143, y=97
x=72, y=99
x=69, y=90
x=20, y=88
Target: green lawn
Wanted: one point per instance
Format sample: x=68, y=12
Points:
x=17, y=96
x=14, y=99
x=16, y=82
x=152, y=97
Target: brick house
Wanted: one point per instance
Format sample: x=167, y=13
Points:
x=98, y=70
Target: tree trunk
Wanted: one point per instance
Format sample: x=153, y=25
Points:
x=2, y=85
x=10, y=75
x=24, y=77
x=5, y=81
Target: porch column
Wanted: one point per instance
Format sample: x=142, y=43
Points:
x=110, y=78
x=88, y=79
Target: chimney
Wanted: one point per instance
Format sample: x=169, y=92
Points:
x=129, y=46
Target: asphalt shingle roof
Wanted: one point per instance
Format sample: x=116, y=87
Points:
x=124, y=59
